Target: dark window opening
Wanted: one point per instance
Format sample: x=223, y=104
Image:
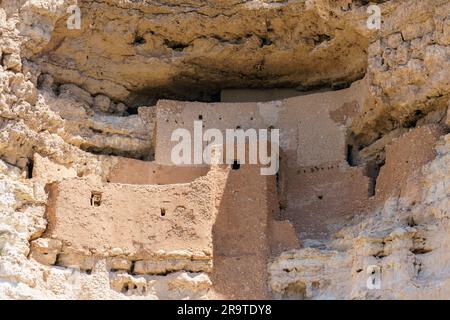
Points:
x=30, y=167
x=236, y=165
x=200, y=117
x=277, y=179
x=163, y=212
x=132, y=110
x=373, y=171
x=351, y=156
x=96, y=199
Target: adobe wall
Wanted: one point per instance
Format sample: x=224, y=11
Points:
x=404, y=157
x=156, y=218
x=120, y=170
x=246, y=234
x=219, y=224
x=282, y=237
x=158, y=228
x=241, y=235
x=313, y=146
x=132, y=171
x=321, y=197
x=308, y=133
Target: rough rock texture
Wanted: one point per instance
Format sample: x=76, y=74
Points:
x=406, y=238
x=408, y=66
x=193, y=49
x=75, y=97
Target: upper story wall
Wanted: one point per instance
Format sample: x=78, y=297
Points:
x=131, y=171
x=312, y=127
x=405, y=156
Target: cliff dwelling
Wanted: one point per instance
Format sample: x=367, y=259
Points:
x=153, y=218
x=92, y=205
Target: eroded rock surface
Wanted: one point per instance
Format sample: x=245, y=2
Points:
x=73, y=103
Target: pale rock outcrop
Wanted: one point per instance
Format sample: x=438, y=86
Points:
x=68, y=94
x=405, y=238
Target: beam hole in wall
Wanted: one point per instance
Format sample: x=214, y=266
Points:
x=96, y=199
x=138, y=40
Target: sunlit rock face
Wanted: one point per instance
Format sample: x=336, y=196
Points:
x=358, y=209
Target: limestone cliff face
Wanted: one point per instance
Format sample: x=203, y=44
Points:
x=405, y=238
x=80, y=97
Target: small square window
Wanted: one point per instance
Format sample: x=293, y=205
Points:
x=96, y=198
